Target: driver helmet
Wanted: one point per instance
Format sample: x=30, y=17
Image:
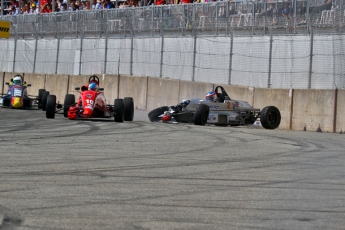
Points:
x=17, y=80
x=211, y=96
x=93, y=86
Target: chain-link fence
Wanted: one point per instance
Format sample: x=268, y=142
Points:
x=213, y=18
x=185, y=46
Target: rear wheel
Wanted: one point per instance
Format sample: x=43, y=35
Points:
x=201, y=114
x=154, y=114
x=119, y=110
x=270, y=117
x=128, y=108
x=44, y=100
x=68, y=102
x=40, y=96
x=51, y=105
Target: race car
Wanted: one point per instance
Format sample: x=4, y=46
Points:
x=17, y=95
x=217, y=109
x=91, y=104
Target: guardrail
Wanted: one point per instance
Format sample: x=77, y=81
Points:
x=213, y=18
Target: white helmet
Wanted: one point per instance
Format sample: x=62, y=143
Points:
x=17, y=80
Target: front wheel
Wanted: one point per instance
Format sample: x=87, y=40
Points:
x=51, y=105
x=154, y=114
x=44, y=100
x=119, y=110
x=68, y=102
x=201, y=114
x=270, y=117
x=40, y=96
x=128, y=108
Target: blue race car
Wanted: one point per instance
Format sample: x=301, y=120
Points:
x=17, y=96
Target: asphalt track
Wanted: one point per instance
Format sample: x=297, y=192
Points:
x=61, y=174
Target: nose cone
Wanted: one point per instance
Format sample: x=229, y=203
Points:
x=87, y=112
x=17, y=102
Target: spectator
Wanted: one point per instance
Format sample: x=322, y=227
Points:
x=133, y=3
x=80, y=4
x=96, y=5
x=286, y=12
x=123, y=4
x=24, y=10
x=33, y=9
x=63, y=7
x=87, y=5
x=109, y=4
x=57, y=7
x=159, y=2
x=73, y=6
x=14, y=3
x=14, y=10
x=186, y=1
x=46, y=8
x=43, y=6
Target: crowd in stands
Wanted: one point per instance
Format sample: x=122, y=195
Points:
x=46, y=6
x=14, y=7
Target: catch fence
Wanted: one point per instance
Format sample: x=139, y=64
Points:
x=194, y=42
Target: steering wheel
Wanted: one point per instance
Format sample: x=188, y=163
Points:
x=94, y=78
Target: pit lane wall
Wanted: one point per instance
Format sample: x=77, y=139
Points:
x=308, y=110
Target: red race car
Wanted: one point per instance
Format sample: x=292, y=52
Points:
x=91, y=104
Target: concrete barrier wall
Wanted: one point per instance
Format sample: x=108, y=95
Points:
x=240, y=93
x=110, y=83
x=135, y=87
x=313, y=110
x=340, y=115
x=193, y=90
x=2, y=83
x=162, y=92
x=57, y=85
x=37, y=82
x=309, y=110
x=277, y=98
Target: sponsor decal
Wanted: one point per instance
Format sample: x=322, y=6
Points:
x=211, y=118
x=17, y=92
x=214, y=107
x=89, y=96
x=5, y=29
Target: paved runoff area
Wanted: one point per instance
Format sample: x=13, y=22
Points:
x=61, y=174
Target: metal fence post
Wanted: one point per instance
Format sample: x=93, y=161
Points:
x=194, y=56
x=57, y=53
x=131, y=57
x=311, y=59
x=35, y=56
x=15, y=49
x=106, y=49
x=230, y=58
x=81, y=52
x=270, y=63
x=162, y=53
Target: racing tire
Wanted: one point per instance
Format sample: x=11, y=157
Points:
x=51, y=105
x=40, y=96
x=44, y=100
x=154, y=114
x=68, y=102
x=119, y=110
x=128, y=108
x=270, y=117
x=201, y=114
